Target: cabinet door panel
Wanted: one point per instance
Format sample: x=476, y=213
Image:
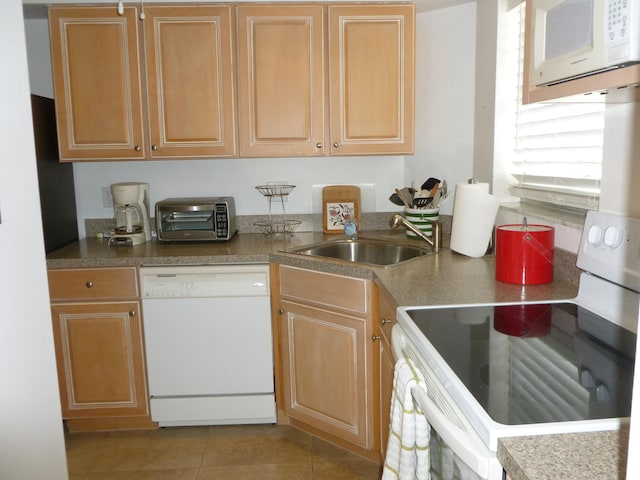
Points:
x=96, y=83
x=190, y=81
x=100, y=360
x=372, y=76
x=324, y=362
x=281, y=80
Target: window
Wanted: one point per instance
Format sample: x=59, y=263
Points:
x=557, y=147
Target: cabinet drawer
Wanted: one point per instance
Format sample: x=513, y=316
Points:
x=325, y=289
x=93, y=283
x=386, y=312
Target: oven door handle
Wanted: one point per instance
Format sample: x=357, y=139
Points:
x=464, y=443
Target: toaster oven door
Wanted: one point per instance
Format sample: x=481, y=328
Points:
x=182, y=223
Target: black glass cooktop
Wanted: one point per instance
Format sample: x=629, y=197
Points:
x=535, y=363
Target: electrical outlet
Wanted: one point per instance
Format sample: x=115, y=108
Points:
x=107, y=199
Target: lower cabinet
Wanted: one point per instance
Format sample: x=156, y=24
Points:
x=326, y=349
x=98, y=337
x=386, y=363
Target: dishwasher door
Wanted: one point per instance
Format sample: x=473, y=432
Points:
x=208, y=344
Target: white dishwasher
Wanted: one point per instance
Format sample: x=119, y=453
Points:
x=208, y=344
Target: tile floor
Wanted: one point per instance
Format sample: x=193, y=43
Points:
x=242, y=452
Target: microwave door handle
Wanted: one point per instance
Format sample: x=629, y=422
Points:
x=464, y=443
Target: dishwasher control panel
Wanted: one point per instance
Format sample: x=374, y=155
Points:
x=205, y=281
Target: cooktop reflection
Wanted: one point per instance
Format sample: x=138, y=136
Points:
x=535, y=363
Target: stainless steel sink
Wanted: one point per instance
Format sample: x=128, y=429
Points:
x=369, y=251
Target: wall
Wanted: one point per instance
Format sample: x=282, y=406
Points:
x=444, y=90
x=31, y=437
x=445, y=95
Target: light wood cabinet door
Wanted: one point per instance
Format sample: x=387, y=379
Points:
x=281, y=80
x=371, y=56
x=100, y=360
x=190, y=81
x=386, y=364
x=97, y=83
x=324, y=361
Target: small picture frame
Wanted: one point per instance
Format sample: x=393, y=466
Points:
x=337, y=213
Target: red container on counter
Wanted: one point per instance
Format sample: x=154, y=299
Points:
x=524, y=254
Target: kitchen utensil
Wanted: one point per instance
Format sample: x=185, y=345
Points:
x=434, y=190
x=430, y=183
x=405, y=196
x=396, y=200
x=422, y=201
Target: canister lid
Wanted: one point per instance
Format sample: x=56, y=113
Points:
x=519, y=227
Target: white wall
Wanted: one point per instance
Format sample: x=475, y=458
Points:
x=445, y=95
x=31, y=438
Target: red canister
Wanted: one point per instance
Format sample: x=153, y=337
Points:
x=524, y=254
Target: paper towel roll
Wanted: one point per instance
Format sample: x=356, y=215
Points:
x=474, y=213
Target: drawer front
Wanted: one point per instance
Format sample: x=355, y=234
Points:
x=325, y=289
x=93, y=283
x=386, y=312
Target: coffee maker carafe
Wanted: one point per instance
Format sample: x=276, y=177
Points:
x=131, y=210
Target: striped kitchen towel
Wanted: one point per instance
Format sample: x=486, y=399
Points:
x=407, y=455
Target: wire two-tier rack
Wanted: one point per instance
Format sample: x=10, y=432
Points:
x=277, y=223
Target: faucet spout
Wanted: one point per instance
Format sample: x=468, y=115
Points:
x=398, y=220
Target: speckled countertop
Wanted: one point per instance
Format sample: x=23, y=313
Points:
x=444, y=278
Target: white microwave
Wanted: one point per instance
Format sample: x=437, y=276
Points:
x=576, y=38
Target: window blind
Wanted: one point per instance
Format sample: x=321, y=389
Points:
x=557, y=154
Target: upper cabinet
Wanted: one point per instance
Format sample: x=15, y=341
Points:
x=96, y=72
x=190, y=81
x=312, y=80
x=312, y=87
x=371, y=64
x=281, y=80
x=99, y=79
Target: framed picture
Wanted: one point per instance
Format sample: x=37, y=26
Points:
x=339, y=213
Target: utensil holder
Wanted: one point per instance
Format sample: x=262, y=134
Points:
x=420, y=217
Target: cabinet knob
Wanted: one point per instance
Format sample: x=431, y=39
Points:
x=281, y=311
x=137, y=148
x=132, y=313
x=336, y=145
x=89, y=284
x=154, y=147
x=318, y=145
x=384, y=321
x=375, y=337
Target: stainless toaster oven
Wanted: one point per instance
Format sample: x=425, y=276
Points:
x=196, y=219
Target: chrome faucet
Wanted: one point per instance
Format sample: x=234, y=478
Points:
x=398, y=220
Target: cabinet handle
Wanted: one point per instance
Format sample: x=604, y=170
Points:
x=318, y=145
x=282, y=311
x=154, y=147
x=375, y=337
x=384, y=321
x=137, y=148
x=336, y=145
x=89, y=284
x=132, y=313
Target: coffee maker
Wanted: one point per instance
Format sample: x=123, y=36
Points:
x=131, y=210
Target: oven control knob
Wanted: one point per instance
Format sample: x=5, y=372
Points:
x=594, y=235
x=612, y=237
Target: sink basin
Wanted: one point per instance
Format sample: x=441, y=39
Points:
x=369, y=251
